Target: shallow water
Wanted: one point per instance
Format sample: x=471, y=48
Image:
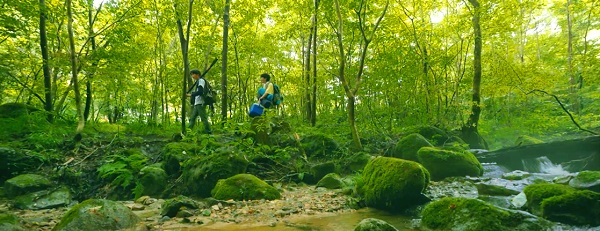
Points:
x=330, y=222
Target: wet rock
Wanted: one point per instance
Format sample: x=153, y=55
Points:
x=172, y=206
x=494, y=190
x=331, y=181
x=25, y=183
x=44, y=199
x=519, y=200
x=408, y=146
x=98, y=214
x=244, y=187
x=455, y=213
x=537, y=193
x=372, y=224
x=393, y=184
x=443, y=163
x=580, y=207
x=154, y=180
x=516, y=175
x=586, y=180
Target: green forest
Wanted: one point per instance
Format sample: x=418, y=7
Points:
x=97, y=89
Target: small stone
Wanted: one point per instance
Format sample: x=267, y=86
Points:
x=215, y=207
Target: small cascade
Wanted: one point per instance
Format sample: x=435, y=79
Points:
x=543, y=165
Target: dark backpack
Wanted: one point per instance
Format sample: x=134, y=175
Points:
x=277, y=97
x=208, y=94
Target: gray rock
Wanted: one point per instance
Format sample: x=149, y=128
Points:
x=45, y=199
x=372, y=224
x=25, y=183
x=331, y=181
x=516, y=175
x=98, y=214
x=586, y=180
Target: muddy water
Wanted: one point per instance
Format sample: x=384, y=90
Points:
x=327, y=222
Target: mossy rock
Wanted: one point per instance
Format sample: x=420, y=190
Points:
x=14, y=161
x=171, y=207
x=261, y=127
x=586, y=180
x=45, y=199
x=574, y=208
x=408, y=146
x=393, y=184
x=331, y=181
x=14, y=110
x=10, y=222
x=319, y=145
x=373, y=224
x=527, y=140
x=494, y=190
x=356, y=162
x=516, y=175
x=244, y=187
x=444, y=163
x=464, y=214
x=25, y=183
x=318, y=171
x=174, y=153
x=154, y=180
x=536, y=193
x=201, y=174
x=435, y=135
x=97, y=214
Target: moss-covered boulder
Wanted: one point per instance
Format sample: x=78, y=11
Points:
x=173, y=154
x=244, y=187
x=444, y=163
x=435, y=135
x=536, y=193
x=14, y=161
x=516, y=175
x=154, y=180
x=45, y=199
x=201, y=174
x=586, y=180
x=171, y=207
x=97, y=214
x=261, y=128
x=331, y=181
x=355, y=162
x=464, y=214
x=319, y=145
x=575, y=208
x=373, y=224
x=25, y=183
x=13, y=110
x=10, y=222
x=408, y=146
x=527, y=140
x=392, y=184
x=317, y=171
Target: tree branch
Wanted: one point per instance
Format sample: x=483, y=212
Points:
x=564, y=109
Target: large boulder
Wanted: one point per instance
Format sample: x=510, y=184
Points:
x=98, y=214
x=465, y=214
x=536, y=193
x=201, y=174
x=331, y=181
x=319, y=145
x=373, y=224
x=393, y=184
x=25, y=183
x=316, y=172
x=244, y=187
x=173, y=154
x=44, y=199
x=172, y=206
x=445, y=163
x=408, y=146
x=574, y=208
x=586, y=180
x=154, y=180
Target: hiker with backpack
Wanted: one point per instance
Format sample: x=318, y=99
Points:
x=268, y=94
x=200, y=100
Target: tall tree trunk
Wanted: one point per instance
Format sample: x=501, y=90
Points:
x=313, y=116
x=49, y=101
x=80, y=119
x=184, y=40
x=469, y=130
x=307, y=72
x=572, y=78
x=90, y=74
x=224, y=60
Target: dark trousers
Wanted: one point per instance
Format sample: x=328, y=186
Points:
x=200, y=110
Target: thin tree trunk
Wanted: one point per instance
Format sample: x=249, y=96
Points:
x=48, y=104
x=313, y=116
x=80, y=119
x=90, y=75
x=572, y=79
x=470, y=131
x=224, y=60
x=307, y=73
x=184, y=40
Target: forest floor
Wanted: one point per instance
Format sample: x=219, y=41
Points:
x=296, y=202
